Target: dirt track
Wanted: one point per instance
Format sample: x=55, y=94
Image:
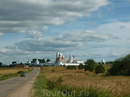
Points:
x=18, y=86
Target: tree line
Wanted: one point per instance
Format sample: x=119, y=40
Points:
x=121, y=66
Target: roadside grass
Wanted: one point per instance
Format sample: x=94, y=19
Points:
x=6, y=73
x=40, y=88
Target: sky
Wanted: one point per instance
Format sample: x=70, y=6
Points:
x=96, y=29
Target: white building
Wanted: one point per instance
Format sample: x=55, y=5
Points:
x=103, y=61
x=71, y=60
x=28, y=62
x=37, y=62
x=60, y=60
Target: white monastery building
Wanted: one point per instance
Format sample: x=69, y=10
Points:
x=60, y=60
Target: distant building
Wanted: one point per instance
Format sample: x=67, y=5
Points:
x=28, y=62
x=60, y=57
x=37, y=62
x=60, y=60
x=103, y=61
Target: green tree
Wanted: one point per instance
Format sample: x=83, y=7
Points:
x=48, y=60
x=33, y=60
x=90, y=65
x=120, y=66
x=0, y=63
x=43, y=60
x=40, y=60
x=99, y=69
x=14, y=62
x=81, y=66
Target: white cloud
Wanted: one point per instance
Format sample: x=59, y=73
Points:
x=34, y=34
x=30, y=14
x=69, y=41
x=1, y=34
x=117, y=28
x=86, y=36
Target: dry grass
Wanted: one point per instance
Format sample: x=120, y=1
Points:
x=84, y=79
x=4, y=71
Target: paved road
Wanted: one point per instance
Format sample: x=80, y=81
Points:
x=10, y=86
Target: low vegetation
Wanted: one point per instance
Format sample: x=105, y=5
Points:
x=71, y=67
x=121, y=66
x=99, y=69
x=81, y=66
x=79, y=83
x=6, y=73
x=89, y=80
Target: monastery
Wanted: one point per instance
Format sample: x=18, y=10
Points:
x=60, y=60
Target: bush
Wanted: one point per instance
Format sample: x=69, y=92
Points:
x=81, y=66
x=53, y=70
x=71, y=67
x=59, y=80
x=121, y=66
x=90, y=65
x=19, y=72
x=99, y=69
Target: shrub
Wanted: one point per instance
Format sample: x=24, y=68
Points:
x=50, y=84
x=90, y=65
x=99, y=69
x=81, y=66
x=53, y=65
x=71, y=67
x=59, y=80
x=19, y=72
x=120, y=66
x=53, y=70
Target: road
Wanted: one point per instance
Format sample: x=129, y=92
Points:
x=18, y=86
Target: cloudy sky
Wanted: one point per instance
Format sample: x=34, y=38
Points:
x=97, y=29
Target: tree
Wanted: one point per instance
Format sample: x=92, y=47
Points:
x=43, y=60
x=90, y=65
x=33, y=60
x=40, y=60
x=120, y=66
x=81, y=66
x=48, y=60
x=0, y=63
x=14, y=62
x=99, y=69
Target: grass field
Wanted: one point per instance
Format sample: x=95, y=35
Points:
x=6, y=73
x=117, y=86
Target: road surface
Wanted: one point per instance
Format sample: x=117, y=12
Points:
x=18, y=86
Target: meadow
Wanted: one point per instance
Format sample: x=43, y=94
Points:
x=58, y=78
x=118, y=85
